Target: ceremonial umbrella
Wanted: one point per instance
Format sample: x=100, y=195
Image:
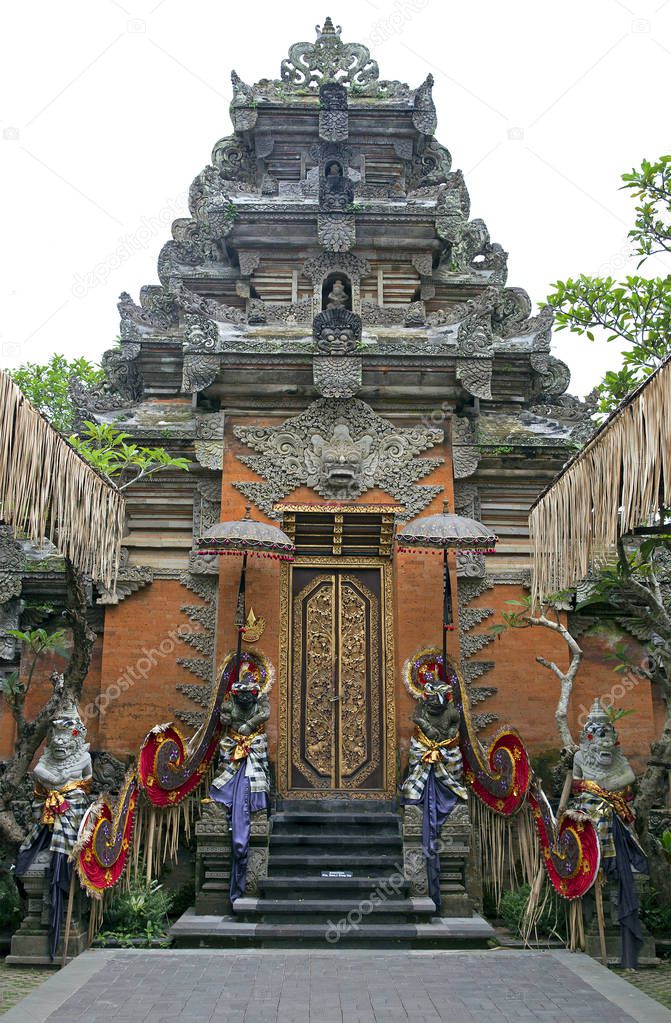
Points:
x=446, y=531
x=245, y=536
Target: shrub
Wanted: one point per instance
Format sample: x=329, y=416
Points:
x=552, y=922
x=655, y=912
x=10, y=904
x=139, y=913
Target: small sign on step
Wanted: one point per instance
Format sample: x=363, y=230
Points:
x=337, y=873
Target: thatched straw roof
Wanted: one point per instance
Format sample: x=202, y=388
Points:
x=47, y=489
x=616, y=483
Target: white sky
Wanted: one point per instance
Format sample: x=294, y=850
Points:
x=111, y=107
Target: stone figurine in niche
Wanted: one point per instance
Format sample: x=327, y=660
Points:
x=242, y=783
x=338, y=297
x=63, y=780
x=435, y=774
x=602, y=788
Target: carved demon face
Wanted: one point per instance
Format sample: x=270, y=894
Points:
x=340, y=464
x=598, y=742
x=336, y=341
x=65, y=738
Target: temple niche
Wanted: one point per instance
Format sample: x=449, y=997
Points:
x=332, y=339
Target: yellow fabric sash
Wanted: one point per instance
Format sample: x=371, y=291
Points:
x=243, y=743
x=433, y=748
x=616, y=799
x=54, y=799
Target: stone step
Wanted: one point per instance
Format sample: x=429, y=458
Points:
x=362, y=865
x=302, y=887
x=333, y=842
x=227, y=932
x=353, y=911
x=336, y=824
x=343, y=806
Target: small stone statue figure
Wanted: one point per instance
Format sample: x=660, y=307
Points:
x=338, y=297
x=63, y=780
x=435, y=772
x=242, y=784
x=601, y=788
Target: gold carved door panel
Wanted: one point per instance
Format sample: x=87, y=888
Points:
x=337, y=708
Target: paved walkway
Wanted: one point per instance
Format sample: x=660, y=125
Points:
x=335, y=987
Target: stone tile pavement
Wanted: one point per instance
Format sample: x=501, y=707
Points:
x=336, y=986
x=16, y=983
x=655, y=982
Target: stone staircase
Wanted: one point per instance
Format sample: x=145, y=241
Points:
x=335, y=876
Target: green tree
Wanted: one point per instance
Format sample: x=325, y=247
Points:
x=637, y=310
x=47, y=386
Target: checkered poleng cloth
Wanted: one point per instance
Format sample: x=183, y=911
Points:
x=448, y=767
x=65, y=825
x=252, y=751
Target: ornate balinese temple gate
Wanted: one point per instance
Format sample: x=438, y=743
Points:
x=333, y=341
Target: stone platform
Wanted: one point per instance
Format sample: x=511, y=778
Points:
x=336, y=986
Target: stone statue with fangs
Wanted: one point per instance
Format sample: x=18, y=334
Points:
x=63, y=779
x=602, y=788
x=435, y=772
x=242, y=783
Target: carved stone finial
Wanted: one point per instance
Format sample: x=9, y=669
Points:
x=327, y=29
x=328, y=59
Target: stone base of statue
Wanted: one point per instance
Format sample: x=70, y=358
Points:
x=460, y=881
x=30, y=944
x=213, y=859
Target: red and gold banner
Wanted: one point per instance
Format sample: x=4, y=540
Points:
x=170, y=768
x=105, y=837
x=570, y=846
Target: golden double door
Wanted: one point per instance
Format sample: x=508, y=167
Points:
x=337, y=737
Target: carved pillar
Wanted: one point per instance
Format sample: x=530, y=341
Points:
x=30, y=944
x=460, y=884
x=257, y=864
x=213, y=862
x=414, y=864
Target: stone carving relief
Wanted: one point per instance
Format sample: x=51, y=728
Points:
x=424, y=109
x=200, y=361
x=339, y=448
x=333, y=118
x=476, y=349
x=243, y=107
x=465, y=451
x=309, y=65
x=337, y=376
x=319, y=267
x=336, y=231
x=412, y=314
x=130, y=579
x=11, y=565
x=554, y=378
x=430, y=167
x=259, y=311
x=192, y=302
x=234, y=159
x=209, y=443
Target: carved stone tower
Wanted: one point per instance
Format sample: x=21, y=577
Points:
x=333, y=340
